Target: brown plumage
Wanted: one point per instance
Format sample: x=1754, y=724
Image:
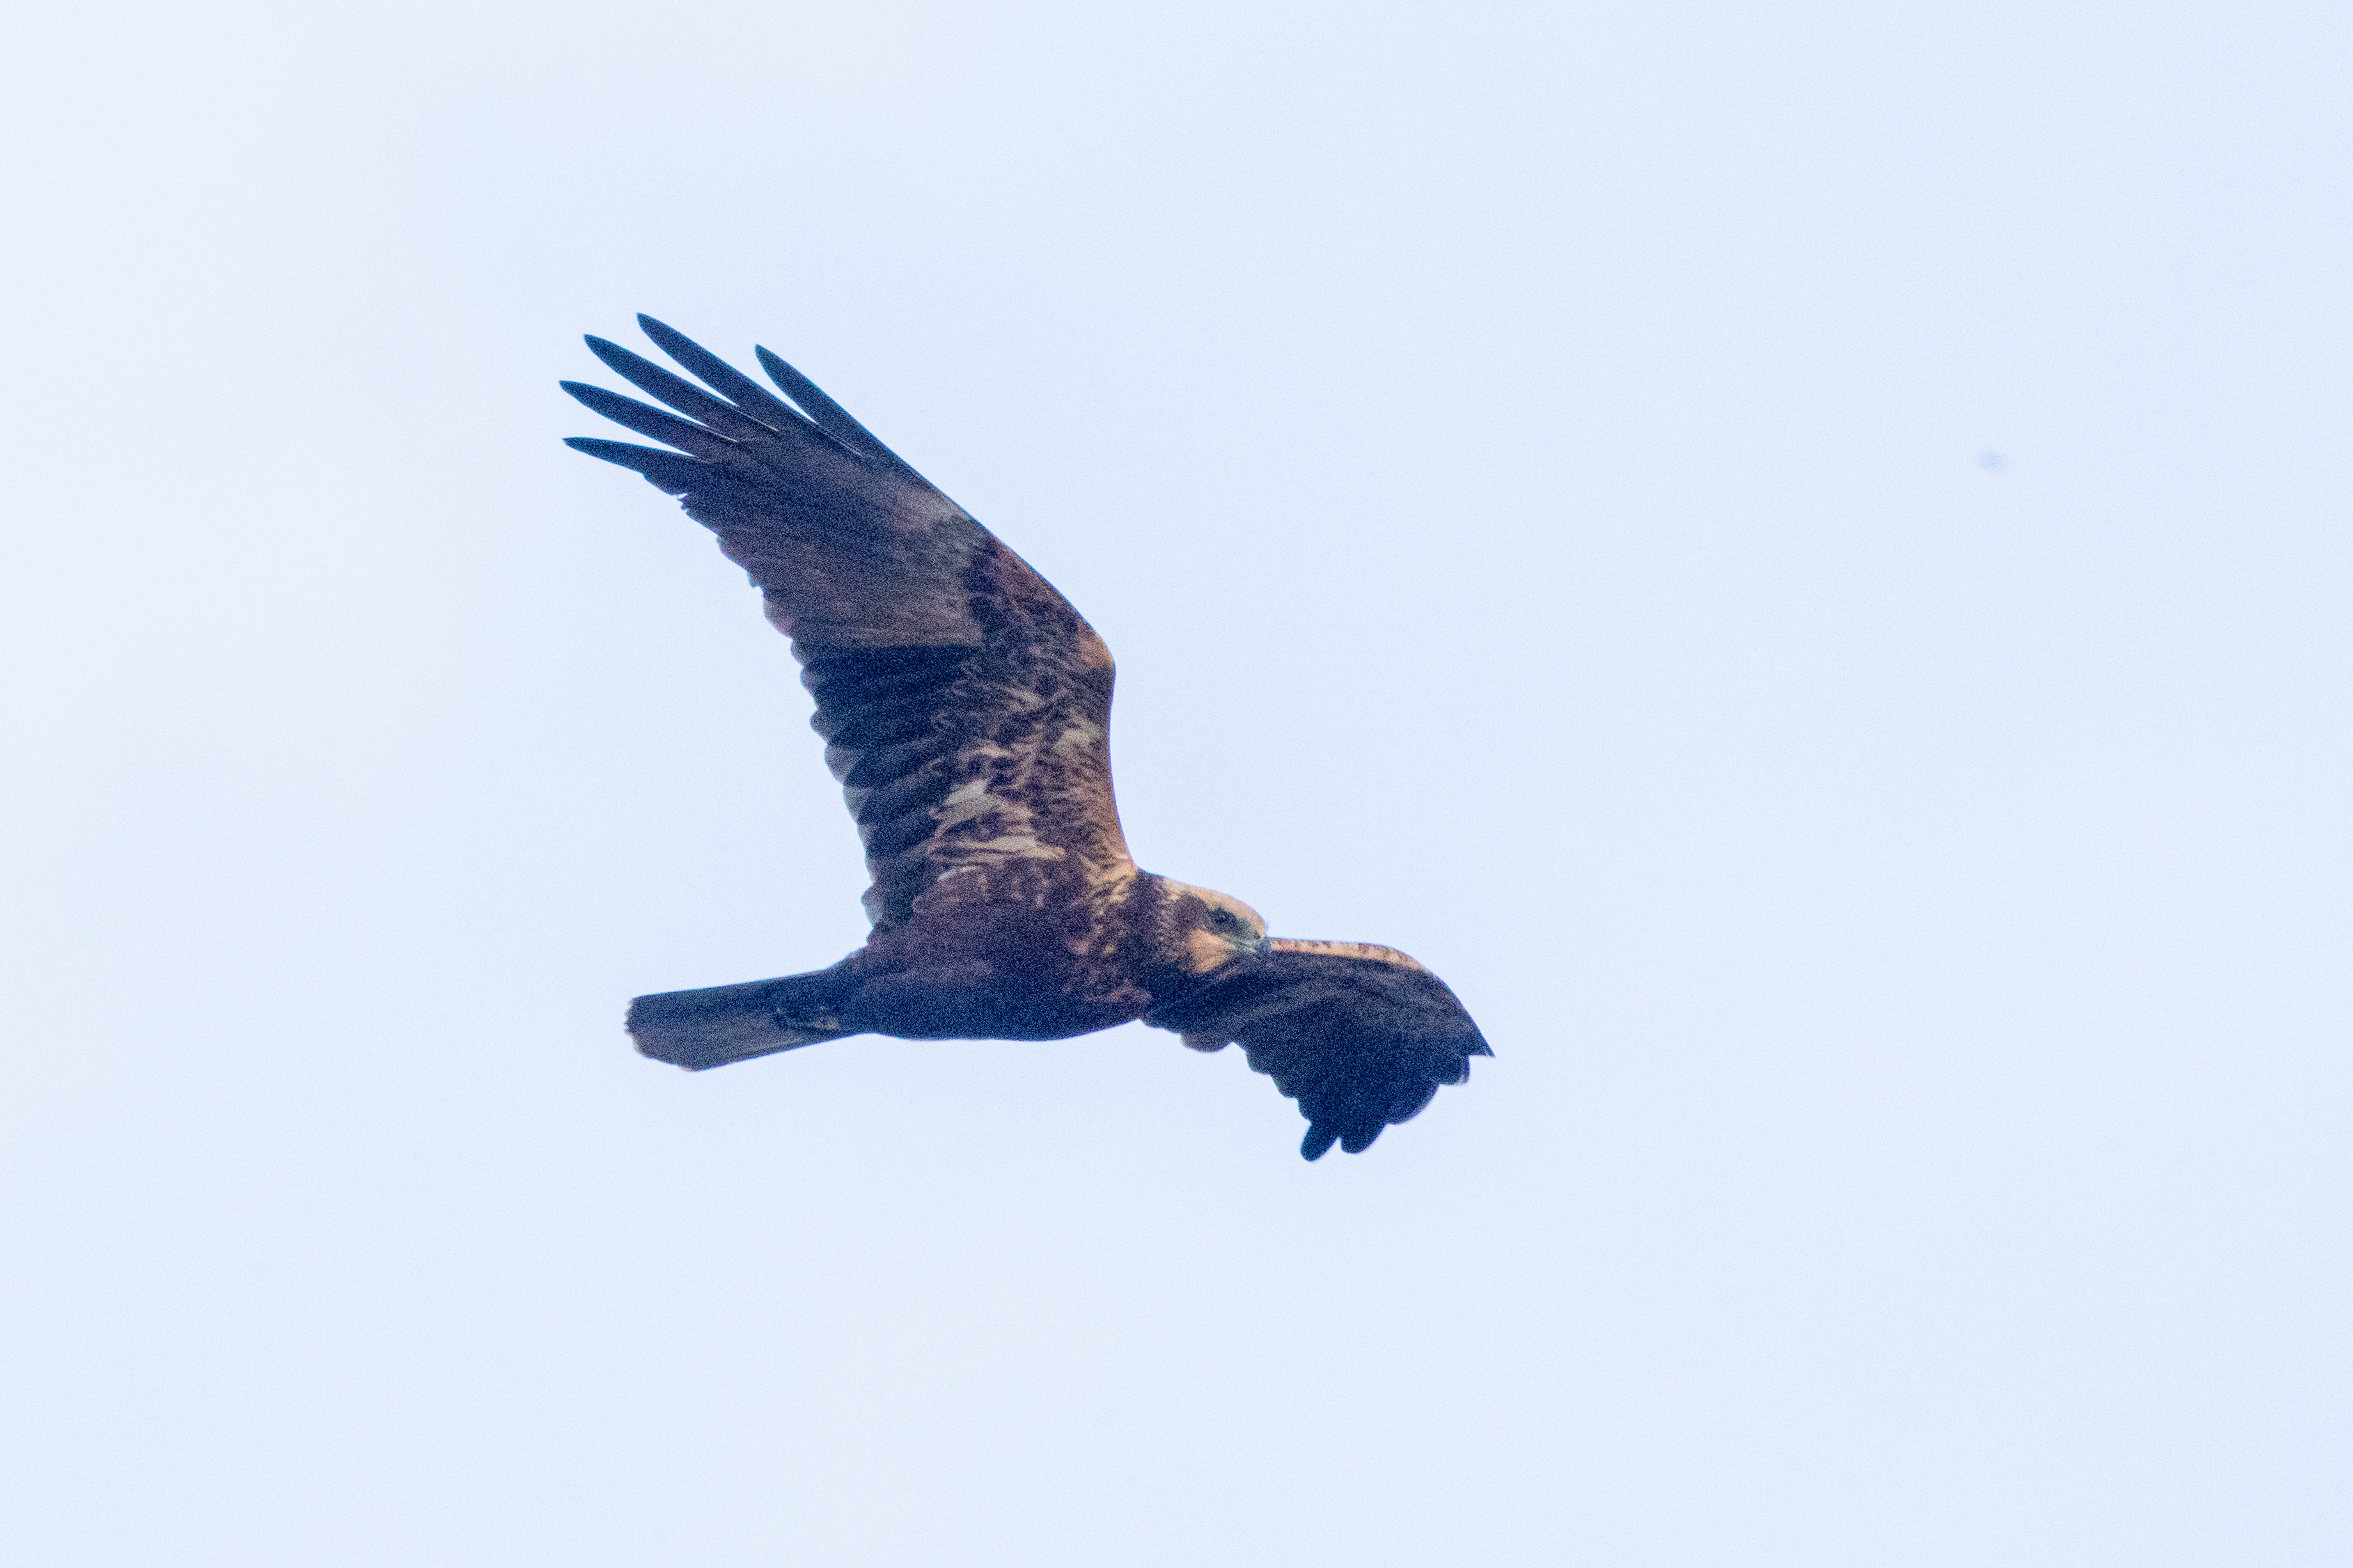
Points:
x=966, y=710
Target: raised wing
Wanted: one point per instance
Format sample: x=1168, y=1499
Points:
x=966, y=705
x=1361, y=1036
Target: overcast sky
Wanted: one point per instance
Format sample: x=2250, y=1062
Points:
x=1798, y=555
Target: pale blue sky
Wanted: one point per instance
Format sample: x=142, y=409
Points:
x=1796, y=553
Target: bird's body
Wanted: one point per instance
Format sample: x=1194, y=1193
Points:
x=966, y=707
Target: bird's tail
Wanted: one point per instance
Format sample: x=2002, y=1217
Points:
x=723, y=1023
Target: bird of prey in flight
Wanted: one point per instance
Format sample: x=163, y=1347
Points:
x=966, y=709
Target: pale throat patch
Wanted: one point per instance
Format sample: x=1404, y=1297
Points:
x=1205, y=950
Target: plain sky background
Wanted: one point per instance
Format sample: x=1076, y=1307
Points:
x=1796, y=553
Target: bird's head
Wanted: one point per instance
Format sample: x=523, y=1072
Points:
x=1211, y=929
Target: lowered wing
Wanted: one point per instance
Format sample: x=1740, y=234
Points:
x=1361, y=1036
x=966, y=705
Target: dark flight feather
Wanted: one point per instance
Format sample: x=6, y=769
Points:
x=627, y=412
x=724, y=379
x=683, y=395
x=830, y=416
x=665, y=470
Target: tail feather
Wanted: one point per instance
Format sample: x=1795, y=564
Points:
x=723, y=1023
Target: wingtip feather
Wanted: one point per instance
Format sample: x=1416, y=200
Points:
x=667, y=471
x=748, y=395
x=611, y=353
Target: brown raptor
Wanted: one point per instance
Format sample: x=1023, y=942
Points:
x=966, y=708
